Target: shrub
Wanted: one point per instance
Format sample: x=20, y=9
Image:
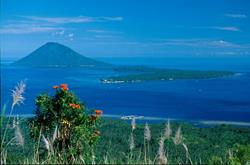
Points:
x=64, y=124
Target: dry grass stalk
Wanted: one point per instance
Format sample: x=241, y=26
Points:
x=131, y=142
x=133, y=123
x=147, y=132
x=168, y=130
x=55, y=135
x=161, y=159
x=178, y=137
x=46, y=142
x=188, y=158
x=147, y=138
x=19, y=135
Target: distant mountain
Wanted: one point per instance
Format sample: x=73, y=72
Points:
x=53, y=54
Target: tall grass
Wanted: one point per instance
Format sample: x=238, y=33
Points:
x=17, y=98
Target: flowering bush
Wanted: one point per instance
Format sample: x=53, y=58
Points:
x=65, y=124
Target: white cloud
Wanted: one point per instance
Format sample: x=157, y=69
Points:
x=226, y=28
x=96, y=31
x=66, y=20
x=71, y=35
x=59, y=33
x=101, y=32
x=60, y=20
x=236, y=15
x=111, y=18
x=222, y=43
x=27, y=28
x=200, y=43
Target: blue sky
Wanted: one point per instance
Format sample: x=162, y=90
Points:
x=148, y=28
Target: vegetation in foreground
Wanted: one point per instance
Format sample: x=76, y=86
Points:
x=48, y=138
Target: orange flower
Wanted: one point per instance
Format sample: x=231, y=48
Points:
x=55, y=86
x=72, y=105
x=64, y=85
x=98, y=112
x=65, y=88
x=77, y=106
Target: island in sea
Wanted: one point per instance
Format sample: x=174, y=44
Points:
x=143, y=73
x=53, y=54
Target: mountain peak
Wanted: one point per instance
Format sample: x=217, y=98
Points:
x=53, y=44
x=53, y=54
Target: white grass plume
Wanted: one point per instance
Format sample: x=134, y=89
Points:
x=131, y=142
x=161, y=159
x=168, y=130
x=178, y=137
x=19, y=135
x=147, y=132
x=133, y=123
x=55, y=135
x=17, y=94
x=46, y=142
x=147, y=138
x=188, y=158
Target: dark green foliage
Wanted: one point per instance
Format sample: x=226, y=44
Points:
x=203, y=143
x=206, y=145
x=240, y=154
x=66, y=117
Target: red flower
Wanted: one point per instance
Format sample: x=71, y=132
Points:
x=98, y=112
x=65, y=88
x=75, y=105
x=72, y=105
x=64, y=85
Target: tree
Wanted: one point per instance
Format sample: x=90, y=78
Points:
x=64, y=123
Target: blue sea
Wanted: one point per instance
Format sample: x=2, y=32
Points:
x=220, y=99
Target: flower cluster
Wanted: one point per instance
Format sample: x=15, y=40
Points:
x=96, y=115
x=77, y=106
x=62, y=86
x=76, y=128
x=98, y=112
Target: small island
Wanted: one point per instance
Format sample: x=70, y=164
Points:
x=147, y=74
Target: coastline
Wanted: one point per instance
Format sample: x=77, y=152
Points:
x=161, y=119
